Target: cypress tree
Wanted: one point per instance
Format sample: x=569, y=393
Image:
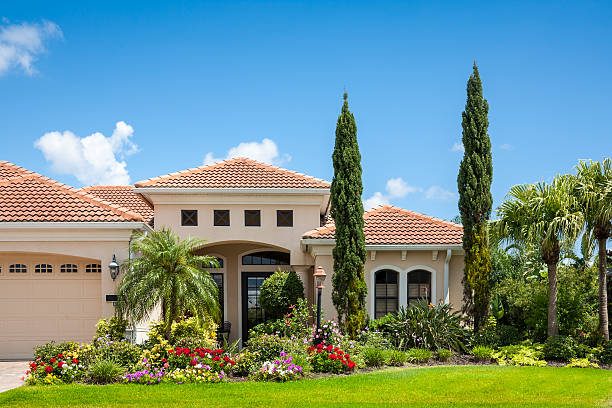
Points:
x=349, y=287
x=475, y=201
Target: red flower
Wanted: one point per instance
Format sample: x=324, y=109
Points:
x=75, y=361
x=60, y=364
x=232, y=362
x=201, y=354
x=60, y=356
x=340, y=352
x=192, y=355
x=216, y=358
x=170, y=351
x=319, y=346
x=186, y=350
x=52, y=360
x=351, y=365
x=208, y=351
x=193, y=362
x=329, y=348
x=226, y=359
x=333, y=356
x=179, y=352
x=48, y=369
x=164, y=360
x=33, y=366
x=311, y=348
x=221, y=365
x=347, y=356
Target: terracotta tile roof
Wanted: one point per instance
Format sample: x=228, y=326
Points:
x=389, y=225
x=26, y=196
x=235, y=173
x=123, y=196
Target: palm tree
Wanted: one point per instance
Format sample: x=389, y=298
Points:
x=167, y=272
x=545, y=215
x=592, y=187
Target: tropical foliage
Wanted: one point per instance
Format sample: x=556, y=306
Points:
x=279, y=292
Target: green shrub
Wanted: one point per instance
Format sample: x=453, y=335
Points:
x=123, y=353
x=507, y=335
x=295, y=324
x=51, y=350
x=396, y=357
x=418, y=355
x=520, y=355
x=373, y=357
x=427, y=326
x=246, y=363
x=482, y=353
x=590, y=353
x=606, y=354
x=269, y=347
x=581, y=363
x=280, y=291
x=112, y=329
x=190, y=329
x=559, y=348
x=105, y=372
x=444, y=354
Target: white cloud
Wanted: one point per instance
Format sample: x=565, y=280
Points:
x=377, y=199
x=95, y=159
x=395, y=187
x=265, y=151
x=506, y=146
x=438, y=193
x=20, y=44
x=458, y=147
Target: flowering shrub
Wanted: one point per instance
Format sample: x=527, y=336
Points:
x=57, y=370
x=329, y=359
x=294, y=324
x=198, y=375
x=281, y=369
x=246, y=363
x=145, y=377
x=163, y=357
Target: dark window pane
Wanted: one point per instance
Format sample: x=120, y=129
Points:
x=284, y=218
x=221, y=218
x=385, y=293
x=419, y=286
x=266, y=258
x=252, y=218
x=189, y=218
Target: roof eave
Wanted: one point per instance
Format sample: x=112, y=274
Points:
x=276, y=191
x=386, y=247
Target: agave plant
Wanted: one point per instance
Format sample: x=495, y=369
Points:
x=427, y=326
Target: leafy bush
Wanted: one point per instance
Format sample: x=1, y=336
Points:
x=444, y=354
x=268, y=346
x=427, y=326
x=280, y=291
x=113, y=328
x=507, y=335
x=187, y=330
x=559, y=348
x=581, y=363
x=520, y=355
x=281, y=369
x=246, y=363
x=590, y=353
x=396, y=358
x=63, y=368
x=482, y=353
x=329, y=359
x=373, y=357
x=105, y=372
x=123, y=353
x=51, y=350
x=418, y=355
x=294, y=324
x=606, y=354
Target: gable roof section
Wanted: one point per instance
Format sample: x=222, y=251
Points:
x=26, y=196
x=123, y=196
x=236, y=173
x=389, y=225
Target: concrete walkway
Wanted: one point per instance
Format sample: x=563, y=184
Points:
x=11, y=373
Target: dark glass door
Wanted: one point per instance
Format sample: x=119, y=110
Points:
x=252, y=312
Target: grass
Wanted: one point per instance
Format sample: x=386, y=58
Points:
x=442, y=386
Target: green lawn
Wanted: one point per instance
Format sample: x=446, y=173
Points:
x=475, y=386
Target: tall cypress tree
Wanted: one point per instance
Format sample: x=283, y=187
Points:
x=475, y=201
x=349, y=287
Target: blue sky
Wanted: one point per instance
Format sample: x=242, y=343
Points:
x=166, y=85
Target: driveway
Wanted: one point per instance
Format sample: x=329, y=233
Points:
x=11, y=373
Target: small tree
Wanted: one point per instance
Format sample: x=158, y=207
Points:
x=349, y=287
x=167, y=273
x=279, y=292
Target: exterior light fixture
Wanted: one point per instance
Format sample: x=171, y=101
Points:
x=319, y=276
x=114, y=267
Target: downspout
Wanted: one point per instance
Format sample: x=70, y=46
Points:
x=449, y=253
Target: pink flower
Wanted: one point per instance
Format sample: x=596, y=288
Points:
x=166, y=365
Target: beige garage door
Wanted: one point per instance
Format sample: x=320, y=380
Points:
x=46, y=297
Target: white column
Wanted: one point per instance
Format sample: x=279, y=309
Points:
x=403, y=289
x=449, y=253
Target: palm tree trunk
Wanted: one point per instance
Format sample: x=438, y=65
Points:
x=553, y=315
x=603, y=294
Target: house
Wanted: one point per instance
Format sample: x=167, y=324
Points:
x=57, y=242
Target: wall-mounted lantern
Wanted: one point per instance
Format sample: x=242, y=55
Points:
x=114, y=268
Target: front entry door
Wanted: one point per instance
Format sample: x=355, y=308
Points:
x=252, y=312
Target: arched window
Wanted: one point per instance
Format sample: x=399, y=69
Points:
x=18, y=268
x=68, y=268
x=385, y=293
x=43, y=268
x=419, y=286
x=266, y=258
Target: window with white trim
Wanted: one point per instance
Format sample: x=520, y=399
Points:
x=385, y=292
x=419, y=286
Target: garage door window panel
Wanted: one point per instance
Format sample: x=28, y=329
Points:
x=18, y=268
